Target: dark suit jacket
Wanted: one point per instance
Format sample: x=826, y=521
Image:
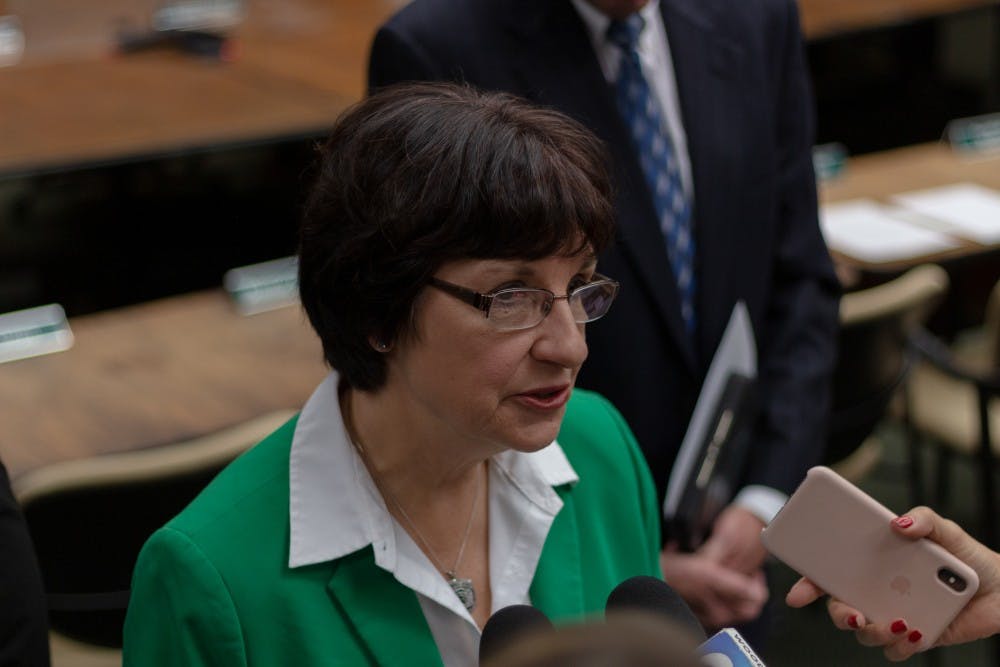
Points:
x=746, y=109
x=24, y=639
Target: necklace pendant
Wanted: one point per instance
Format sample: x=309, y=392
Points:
x=464, y=590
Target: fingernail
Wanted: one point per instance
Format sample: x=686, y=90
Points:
x=853, y=621
x=915, y=636
x=903, y=521
x=898, y=626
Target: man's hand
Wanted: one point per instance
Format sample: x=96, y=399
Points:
x=718, y=596
x=735, y=541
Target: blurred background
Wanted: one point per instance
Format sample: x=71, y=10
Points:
x=148, y=148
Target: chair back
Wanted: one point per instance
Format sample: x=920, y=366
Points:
x=991, y=325
x=872, y=357
x=89, y=518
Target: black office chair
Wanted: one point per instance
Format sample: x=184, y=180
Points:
x=873, y=362
x=89, y=518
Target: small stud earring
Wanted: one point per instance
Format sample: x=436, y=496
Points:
x=382, y=346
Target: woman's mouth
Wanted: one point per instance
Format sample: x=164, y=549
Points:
x=545, y=398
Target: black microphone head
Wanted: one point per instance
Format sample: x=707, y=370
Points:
x=649, y=594
x=507, y=626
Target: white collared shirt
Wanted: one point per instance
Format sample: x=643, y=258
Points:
x=335, y=509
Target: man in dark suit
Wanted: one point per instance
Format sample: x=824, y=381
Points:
x=24, y=640
x=705, y=106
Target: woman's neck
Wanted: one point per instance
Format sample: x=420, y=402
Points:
x=414, y=461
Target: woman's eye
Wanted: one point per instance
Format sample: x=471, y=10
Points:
x=506, y=297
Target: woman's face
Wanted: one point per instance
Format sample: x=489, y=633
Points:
x=463, y=380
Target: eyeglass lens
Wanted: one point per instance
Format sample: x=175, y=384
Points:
x=522, y=308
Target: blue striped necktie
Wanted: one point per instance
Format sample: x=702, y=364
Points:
x=643, y=116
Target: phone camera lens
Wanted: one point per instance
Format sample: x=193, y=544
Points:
x=952, y=580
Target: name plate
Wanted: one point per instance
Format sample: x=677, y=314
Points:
x=829, y=160
x=212, y=15
x=266, y=286
x=977, y=134
x=35, y=331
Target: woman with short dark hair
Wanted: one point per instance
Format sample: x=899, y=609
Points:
x=447, y=262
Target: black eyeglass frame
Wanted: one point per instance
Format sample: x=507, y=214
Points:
x=483, y=301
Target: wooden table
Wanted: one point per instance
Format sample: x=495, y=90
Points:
x=153, y=374
x=299, y=63
x=880, y=175
x=827, y=18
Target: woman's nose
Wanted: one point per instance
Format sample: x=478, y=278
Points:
x=561, y=339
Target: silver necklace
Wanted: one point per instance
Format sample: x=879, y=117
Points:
x=463, y=587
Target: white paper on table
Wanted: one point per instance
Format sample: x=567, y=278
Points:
x=966, y=209
x=737, y=353
x=871, y=232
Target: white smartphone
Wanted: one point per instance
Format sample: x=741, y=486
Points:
x=839, y=537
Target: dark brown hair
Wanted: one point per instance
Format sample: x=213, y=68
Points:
x=422, y=174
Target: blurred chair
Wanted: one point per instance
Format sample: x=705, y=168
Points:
x=954, y=404
x=873, y=363
x=89, y=518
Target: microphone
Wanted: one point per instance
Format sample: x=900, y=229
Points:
x=649, y=594
x=727, y=648
x=509, y=625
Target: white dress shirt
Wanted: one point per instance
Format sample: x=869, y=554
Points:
x=335, y=509
x=658, y=68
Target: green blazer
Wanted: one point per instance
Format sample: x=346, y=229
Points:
x=213, y=586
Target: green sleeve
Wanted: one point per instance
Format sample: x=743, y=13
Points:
x=648, y=507
x=180, y=613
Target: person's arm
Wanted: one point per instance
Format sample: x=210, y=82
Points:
x=980, y=618
x=180, y=612
x=24, y=638
x=798, y=340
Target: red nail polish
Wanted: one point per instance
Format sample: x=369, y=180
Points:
x=898, y=627
x=903, y=521
x=915, y=636
x=853, y=621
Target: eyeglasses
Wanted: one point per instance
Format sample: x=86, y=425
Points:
x=525, y=307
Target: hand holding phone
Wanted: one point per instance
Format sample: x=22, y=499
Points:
x=839, y=537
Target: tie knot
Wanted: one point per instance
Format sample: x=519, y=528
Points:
x=624, y=33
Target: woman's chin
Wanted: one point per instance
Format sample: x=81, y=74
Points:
x=535, y=439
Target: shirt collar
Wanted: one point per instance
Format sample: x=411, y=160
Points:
x=332, y=499
x=597, y=21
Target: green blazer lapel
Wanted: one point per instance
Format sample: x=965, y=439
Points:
x=557, y=588
x=385, y=614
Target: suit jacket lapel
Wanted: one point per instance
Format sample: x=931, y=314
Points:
x=385, y=614
x=555, y=62
x=706, y=67
x=557, y=588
